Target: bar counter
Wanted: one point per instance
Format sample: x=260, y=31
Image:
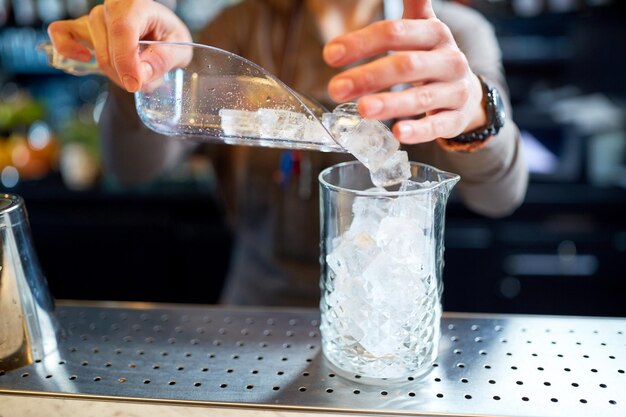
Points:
x=144, y=359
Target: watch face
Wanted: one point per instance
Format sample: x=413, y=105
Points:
x=499, y=116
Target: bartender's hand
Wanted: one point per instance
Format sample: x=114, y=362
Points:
x=443, y=85
x=112, y=30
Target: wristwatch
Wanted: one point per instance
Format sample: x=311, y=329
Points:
x=494, y=108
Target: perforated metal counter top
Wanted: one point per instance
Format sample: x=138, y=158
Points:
x=271, y=359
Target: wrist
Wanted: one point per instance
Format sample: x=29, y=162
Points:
x=478, y=112
x=476, y=138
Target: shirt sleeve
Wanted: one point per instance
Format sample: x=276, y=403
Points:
x=132, y=154
x=494, y=178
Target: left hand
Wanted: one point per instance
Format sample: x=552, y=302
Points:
x=113, y=29
x=444, y=88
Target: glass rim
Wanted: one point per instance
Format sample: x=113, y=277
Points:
x=450, y=177
x=13, y=202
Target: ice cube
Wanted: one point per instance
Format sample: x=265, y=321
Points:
x=315, y=132
x=393, y=171
x=371, y=142
x=340, y=123
x=367, y=213
x=239, y=122
x=410, y=185
x=404, y=241
x=380, y=335
x=281, y=124
x=349, y=107
x=396, y=287
x=352, y=294
x=396, y=295
x=371, y=204
x=352, y=255
x=418, y=207
x=414, y=206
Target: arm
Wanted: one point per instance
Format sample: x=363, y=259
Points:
x=131, y=153
x=493, y=178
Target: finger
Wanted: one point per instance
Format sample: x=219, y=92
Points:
x=124, y=23
x=383, y=36
x=418, y=9
x=98, y=31
x=398, y=68
x=416, y=100
x=445, y=124
x=69, y=38
x=127, y=23
x=157, y=59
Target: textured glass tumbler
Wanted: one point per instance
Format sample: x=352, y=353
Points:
x=382, y=259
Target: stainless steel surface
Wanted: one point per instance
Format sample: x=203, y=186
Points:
x=28, y=328
x=270, y=359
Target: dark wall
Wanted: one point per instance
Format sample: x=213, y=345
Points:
x=95, y=246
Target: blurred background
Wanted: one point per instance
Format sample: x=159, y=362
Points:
x=562, y=252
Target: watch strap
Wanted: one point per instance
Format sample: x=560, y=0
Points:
x=454, y=146
x=477, y=138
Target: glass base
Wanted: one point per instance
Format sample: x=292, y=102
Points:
x=420, y=373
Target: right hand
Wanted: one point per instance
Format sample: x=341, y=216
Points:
x=112, y=30
x=444, y=88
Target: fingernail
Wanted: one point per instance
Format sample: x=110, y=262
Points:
x=372, y=106
x=130, y=83
x=342, y=88
x=147, y=72
x=405, y=131
x=334, y=52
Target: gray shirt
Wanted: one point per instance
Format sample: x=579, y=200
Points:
x=277, y=249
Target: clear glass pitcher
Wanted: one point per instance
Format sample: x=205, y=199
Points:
x=382, y=260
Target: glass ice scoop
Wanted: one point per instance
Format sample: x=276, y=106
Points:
x=215, y=95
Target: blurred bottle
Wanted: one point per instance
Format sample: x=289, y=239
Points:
x=33, y=160
x=50, y=10
x=527, y=8
x=562, y=6
x=197, y=13
x=18, y=111
x=79, y=159
x=4, y=12
x=80, y=169
x=28, y=147
x=77, y=8
x=171, y=4
x=606, y=163
x=599, y=2
x=24, y=12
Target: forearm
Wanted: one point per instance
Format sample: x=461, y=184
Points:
x=133, y=154
x=494, y=178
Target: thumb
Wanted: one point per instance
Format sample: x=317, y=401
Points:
x=159, y=58
x=418, y=9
